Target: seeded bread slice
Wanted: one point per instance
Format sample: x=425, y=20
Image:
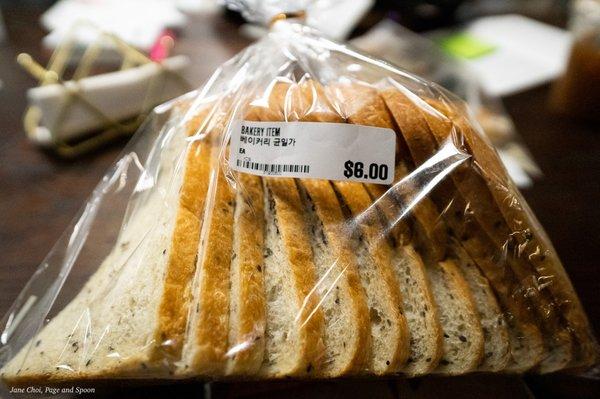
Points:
x=526, y=342
x=429, y=224
x=368, y=108
x=542, y=275
x=389, y=329
x=496, y=338
x=309, y=101
x=342, y=297
x=420, y=308
x=473, y=189
x=463, y=335
x=109, y=329
x=247, y=318
x=294, y=333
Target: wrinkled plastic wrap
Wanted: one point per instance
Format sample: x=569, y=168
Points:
x=182, y=266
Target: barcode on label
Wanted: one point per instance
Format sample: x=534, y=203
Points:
x=273, y=168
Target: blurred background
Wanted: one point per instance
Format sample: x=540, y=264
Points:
x=77, y=78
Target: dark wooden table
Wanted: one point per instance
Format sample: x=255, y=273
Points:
x=40, y=194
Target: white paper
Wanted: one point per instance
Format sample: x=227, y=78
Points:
x=527, y=53
x=119, y=95
x=332, y=151
x=335, y=19
x=137, y=22
x=338, y=18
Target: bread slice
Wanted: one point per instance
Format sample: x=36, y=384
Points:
x=294, y=332
x=109, y=329
x=526, y=345
x=496, y=338
x=472, y=187
x=452, y=297
x=342, y=297
x=247, y=319
x=389, y=329
x=295, y=322
x=542, y=275
x=430, y=228
x=483, y=208
x=346, y=315
x=463, y=335
x=420, y=308
x=207, y=336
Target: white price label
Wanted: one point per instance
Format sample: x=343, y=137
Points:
x=333, y=151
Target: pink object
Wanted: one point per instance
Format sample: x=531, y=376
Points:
x=163, y=45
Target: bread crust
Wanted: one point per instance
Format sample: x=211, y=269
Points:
x=211, y=325
x=248, y=344
x=177, y=296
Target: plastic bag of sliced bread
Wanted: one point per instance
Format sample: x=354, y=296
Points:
x=310, y=212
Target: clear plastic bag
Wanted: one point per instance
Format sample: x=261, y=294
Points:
x=192, y=259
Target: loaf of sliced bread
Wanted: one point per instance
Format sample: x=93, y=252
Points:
x=217, y=273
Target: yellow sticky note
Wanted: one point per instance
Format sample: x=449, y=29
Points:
x=463, y=45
